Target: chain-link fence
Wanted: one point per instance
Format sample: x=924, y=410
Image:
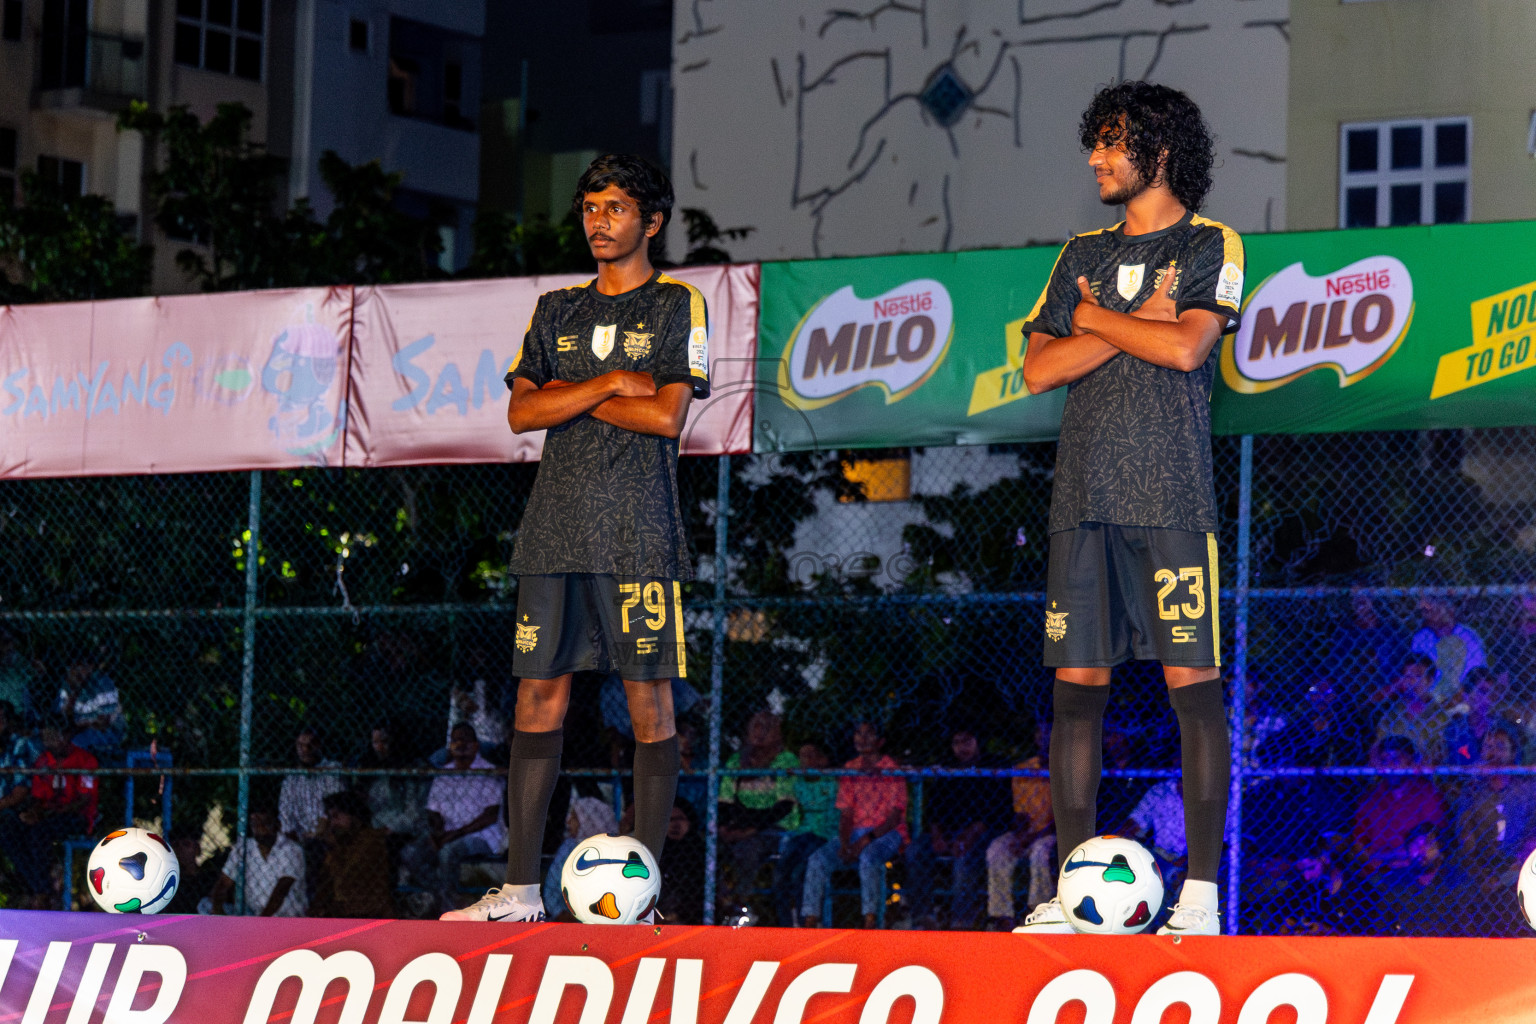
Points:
x=276, y=661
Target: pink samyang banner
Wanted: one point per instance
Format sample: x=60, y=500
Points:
x=189, y=383
x=429, y=360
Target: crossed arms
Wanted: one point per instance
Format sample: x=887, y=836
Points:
x=623, y=398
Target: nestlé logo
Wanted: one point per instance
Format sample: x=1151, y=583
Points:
x=893, y=341
x=1352, y=320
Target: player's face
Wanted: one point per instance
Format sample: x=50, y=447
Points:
x=1119, y=180
x=613, y=225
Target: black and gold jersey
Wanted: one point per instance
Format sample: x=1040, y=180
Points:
x=1135, y=446
x=605, y=499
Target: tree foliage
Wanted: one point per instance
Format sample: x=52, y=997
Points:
x=54, y=248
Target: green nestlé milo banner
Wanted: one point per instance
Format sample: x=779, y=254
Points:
x=1393, y=328
x=899, y=350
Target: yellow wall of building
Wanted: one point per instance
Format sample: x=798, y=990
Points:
x=1384, y=59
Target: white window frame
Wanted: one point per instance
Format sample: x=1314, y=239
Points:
x=235, y=33
x=1426, y=175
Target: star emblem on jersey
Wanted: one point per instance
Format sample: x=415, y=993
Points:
x=1131, y=278
x=527, y=636
x=1056, y=624
x=637, y=346
x=602, y=340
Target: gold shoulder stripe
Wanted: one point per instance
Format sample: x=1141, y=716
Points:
x=698, y=314
x=1034, y=310
x=1231, y=243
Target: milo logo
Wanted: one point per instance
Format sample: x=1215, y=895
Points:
x=892, y=341
x=1351, y=320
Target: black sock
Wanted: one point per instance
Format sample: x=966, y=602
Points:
x=532, y=771
x=1207, y=755
x=656, y=768
x=1077, y=761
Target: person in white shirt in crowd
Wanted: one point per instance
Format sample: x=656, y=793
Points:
x=589, y=816
x=274, y=872
x=463, y=817
x=301, y=801
x=1454, y=647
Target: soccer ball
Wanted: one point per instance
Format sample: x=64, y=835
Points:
x=610, y=879
x=1525, y=890
x=132, y=871
x=1110, y=886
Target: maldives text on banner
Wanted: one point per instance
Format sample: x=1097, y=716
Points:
x=429, y=360
x=253, y=970
x=255, y=380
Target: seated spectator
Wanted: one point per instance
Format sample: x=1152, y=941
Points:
x=300, y=801
x=816, y=801
x=962, y=815
x=1482, y=708
x=755, y=810
x=1324, y=732
x=56, y=807
x=1413, y=712
x=614, y=705
x=1425, y=895
x=1324, y=898
x=396, y=803
x=274, y=872
x=463, y=820
x=88, y=701
x=1157, y=822
x=871, y=831
x=1393, y=807
x=481, y=702
x=18, y=674
x=197, y=874
x=17, y=750
x=681, y=900
x=1453, y=648
x=1366, y=650
x=589, y=815
x=352, y=878
x=1033, y=835
x=1495, y=831
x=1266, y=719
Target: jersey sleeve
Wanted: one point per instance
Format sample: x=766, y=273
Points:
x=1213, y=274
x=1052, y=312
x=683, y=354
x=535, y=360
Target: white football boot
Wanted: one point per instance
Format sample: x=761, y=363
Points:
x=1047, y=919
x=1191, y=919
x=497, y=905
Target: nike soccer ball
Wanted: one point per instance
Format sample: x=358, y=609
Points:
x=1110, y=886
x=132, y=871
x=610, y=879
x=1525, y=890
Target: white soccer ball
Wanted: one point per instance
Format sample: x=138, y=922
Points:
x=132, y=871
x=1110, y=885
x=1525, y=890
x=610, y=879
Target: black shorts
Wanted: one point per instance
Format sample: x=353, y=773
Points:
x=1114, y=593
x=589, y=622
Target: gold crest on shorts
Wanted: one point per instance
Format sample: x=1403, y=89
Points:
x=527, y=636
x=1056, y=624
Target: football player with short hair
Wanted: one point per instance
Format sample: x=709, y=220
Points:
x=608, y=369
x=1129, y=321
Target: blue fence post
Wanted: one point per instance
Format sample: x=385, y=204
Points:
x=716, y=686
x=1239, y=676
x=247, y=679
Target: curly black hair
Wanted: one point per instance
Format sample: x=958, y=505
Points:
x=1153, y=119
x=646, y=184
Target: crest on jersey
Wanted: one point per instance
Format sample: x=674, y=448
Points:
x=637, y=346
x=1131, y=278
x=1056, y=624
x=602, y=340
x=528, y=636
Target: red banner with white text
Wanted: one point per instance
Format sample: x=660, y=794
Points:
x=150, y=970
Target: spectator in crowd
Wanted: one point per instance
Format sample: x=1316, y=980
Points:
x=480, y=699
x=1265, y=719
x=1393, y=807
x=1413, y=712
x=962, y=815
x=614, y=705
x=57, y=806
x=816, y=801
x=1032, y=836
x=463, y=820
x=1324, y=732
x=871, y=831
x=18, y=674
x=395, y=802
x=88, y=701
x=1366, y=650
x=17, y=750
x=755, y=810
x=1495, y=831
x=274, y=871
x=300, y=801
x=1454, y=648
x=1426, y=895
x=589, y=815
x=1326, y=899
x=1482, y=708
x=352, y=878
x=691, y=789
x=1157, y=822
x=197, y=874
x=681, y=900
